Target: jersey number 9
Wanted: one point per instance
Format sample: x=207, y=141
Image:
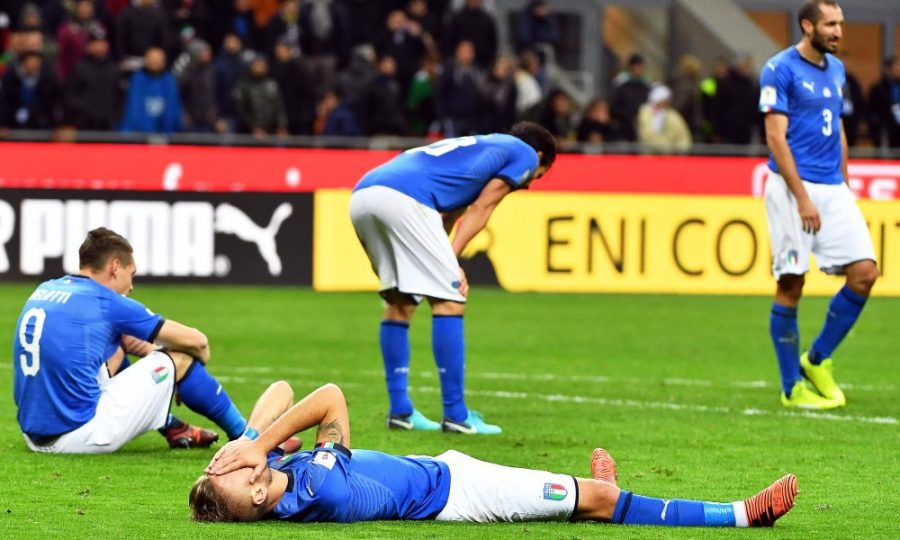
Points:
x=35, y=317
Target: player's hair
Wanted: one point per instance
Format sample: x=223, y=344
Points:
x=537, y=137
x=811, y=11
x=207, y=504
x=101, y=244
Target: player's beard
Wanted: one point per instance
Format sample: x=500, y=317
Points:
x=820, y=43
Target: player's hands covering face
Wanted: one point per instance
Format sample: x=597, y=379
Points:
x=236, y=455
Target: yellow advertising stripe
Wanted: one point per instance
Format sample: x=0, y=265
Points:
x=586, y=242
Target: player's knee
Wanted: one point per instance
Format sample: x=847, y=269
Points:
x=182, y=363
x=791, y=286
x=283, y=389
x=862, y=277
x=447, y=307
x=596, y=500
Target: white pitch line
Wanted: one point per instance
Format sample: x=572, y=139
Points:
x=549, y=377
x=635, y=404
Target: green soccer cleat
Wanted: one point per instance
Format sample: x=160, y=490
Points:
x=804, y=398
x=415, y=421
x=822, y=378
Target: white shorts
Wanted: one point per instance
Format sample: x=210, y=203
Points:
x=484, y=492
x=133, y=402
x=406, y=244
x=842, y=239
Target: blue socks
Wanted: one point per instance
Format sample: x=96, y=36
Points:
x=394, y=339
x=786, y=338
x=449, y=348
x=203, y=394
x=843, y=311
x=634, y=509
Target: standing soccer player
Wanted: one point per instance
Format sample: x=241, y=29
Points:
x=402, y=212
x=70, y=337
x=809, y=206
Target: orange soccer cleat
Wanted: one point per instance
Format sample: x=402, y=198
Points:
x=771, y=503
x=603, y=467
x=188, y=436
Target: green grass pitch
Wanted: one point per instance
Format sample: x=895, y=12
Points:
x=681, y=389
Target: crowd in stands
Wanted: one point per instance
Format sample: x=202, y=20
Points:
x=357, y=68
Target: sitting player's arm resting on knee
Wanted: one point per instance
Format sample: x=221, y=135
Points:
x=137, y=347
x=179, y=337
x=479, y=212
x=273, y=403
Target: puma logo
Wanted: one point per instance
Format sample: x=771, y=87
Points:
x=231, y=220
x=809, y=85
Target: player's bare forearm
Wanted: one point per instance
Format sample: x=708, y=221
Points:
x=273, y=403
x=845, y=151
x=179, y=337
x=776, y=139
x=325, y=407
x=137, y=347
x=471, y=224
x=450, y=218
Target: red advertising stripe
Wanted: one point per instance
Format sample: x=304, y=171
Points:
x=201, y=168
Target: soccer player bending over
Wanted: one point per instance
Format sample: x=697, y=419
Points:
x=71, y=387
x=809, y=206
x=247, y=481
x=402, y=212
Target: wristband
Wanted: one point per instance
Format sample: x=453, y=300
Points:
x=251, y=433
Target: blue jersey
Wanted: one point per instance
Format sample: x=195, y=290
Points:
x=812, y=98
x=328, y=484
x=451, y=173
x=68, y=328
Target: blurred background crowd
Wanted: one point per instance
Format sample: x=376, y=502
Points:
x=418, y=68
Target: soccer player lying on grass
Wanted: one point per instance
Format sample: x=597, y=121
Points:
x=71, y=387
x=246, y=481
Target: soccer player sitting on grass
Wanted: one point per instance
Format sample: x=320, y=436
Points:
x=73, y=393
x=246, y=481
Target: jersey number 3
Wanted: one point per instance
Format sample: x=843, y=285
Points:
x=828, y=116
x=36, y=317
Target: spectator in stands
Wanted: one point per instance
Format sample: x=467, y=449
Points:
x=854, y=111
x=497, y=96
x=536, y=27
x=241, y=21
x=558, y=116
x=596, y=124
x=402, y=40
x=30, y=18
x=197, y=83
x=72, y=37
x=528, y=87
x=381, y=111
x=629, y=93
x=685, y=87
x=152, y=104
x=29, y=94
x=93, y=93
x=228, y=68
x=660, y=127
x=139, y=27
x=284, y=26
x=711, y=103
x=738, y=99
x=336, y=117
x=295, y=84
x=418, y=12
x=259, y=105
x=420, y=102
x=884, y=106
x=457, y=93
x=352, y=81
x=324, y=38
x=473, y=24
